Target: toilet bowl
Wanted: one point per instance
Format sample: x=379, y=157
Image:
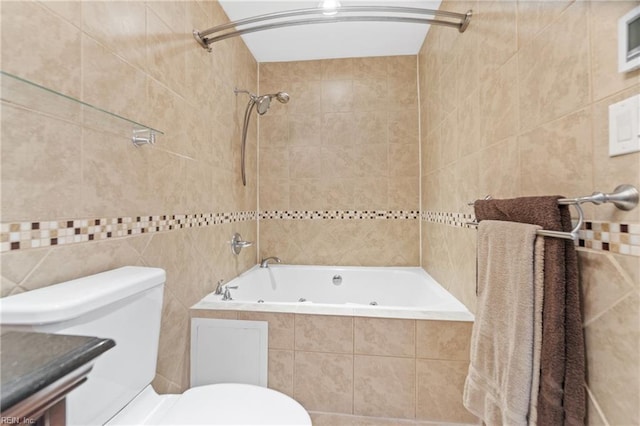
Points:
x=220, y=404
x=125, y=305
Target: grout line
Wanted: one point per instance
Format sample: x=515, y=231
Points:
x=620, y=269
x=609, y=308
x=415, y=369
x=420, y=206
x=388, y=421
x=588, y=11
x=586, y=106
x=42, y=4
x=353, y=366
x=258, y=121
x=592, y=397
x=591, y=107
x=295, y=356
x=519, y=119
x=34, y=268
x=146, y=246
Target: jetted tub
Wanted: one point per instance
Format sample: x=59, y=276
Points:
x=389, y=292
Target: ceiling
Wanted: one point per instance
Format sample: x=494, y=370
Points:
x=334, y=40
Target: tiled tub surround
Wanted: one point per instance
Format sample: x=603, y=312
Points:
x=518, y=105
x=336, y=366
x=341, y=143
x=360, y=242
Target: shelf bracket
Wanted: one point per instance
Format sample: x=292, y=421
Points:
x=143, y=137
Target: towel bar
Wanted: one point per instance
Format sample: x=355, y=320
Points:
x=624, y=197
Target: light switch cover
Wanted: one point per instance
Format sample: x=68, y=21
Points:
x=624, y=131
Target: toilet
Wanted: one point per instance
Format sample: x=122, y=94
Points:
x=125, y=305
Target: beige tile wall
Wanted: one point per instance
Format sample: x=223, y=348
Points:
x=493, y=101
x=366, y=242
x=347, y=140
x=375, y=368
x=528, y=85
x=137, y=59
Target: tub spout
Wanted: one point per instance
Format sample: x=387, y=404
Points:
x=265, y=262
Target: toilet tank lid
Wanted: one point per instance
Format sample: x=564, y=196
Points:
x=71, y=299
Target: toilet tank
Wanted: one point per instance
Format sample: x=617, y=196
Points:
x=125, y=305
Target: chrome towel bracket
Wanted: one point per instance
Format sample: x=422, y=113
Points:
x=624, y=197
x=143, y=137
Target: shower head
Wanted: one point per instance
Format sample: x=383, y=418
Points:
x=264, y=102
x=283, y=97
x=261, y=104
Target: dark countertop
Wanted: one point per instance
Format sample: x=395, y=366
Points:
x=31, y=361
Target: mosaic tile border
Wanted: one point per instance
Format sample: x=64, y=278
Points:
x=340, y=214
x=620, y=238
x=460, y=220
x=25, y=235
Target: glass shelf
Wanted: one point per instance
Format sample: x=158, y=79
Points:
x=25, y=94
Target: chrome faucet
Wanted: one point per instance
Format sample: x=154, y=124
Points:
x=226, y=295
x=265, y=262
x=219, y=289
x=223, y=289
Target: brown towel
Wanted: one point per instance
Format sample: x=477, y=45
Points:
x=561, y=397
x=575, y=372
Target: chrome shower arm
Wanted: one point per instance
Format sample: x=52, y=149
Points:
x=251, y=95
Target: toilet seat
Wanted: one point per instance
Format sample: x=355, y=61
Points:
x=219, y=404
x=236, y=404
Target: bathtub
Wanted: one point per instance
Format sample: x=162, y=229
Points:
x=389, y=292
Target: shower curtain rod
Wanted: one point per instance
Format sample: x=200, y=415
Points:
x=231, y=29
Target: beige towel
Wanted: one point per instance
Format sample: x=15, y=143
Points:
x=501, y=385
x=538, y=303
